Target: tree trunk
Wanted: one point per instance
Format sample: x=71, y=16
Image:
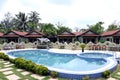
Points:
x=82, y=49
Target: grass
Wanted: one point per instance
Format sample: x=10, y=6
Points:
x=114, y=74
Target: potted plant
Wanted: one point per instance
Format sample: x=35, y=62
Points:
x=82, y=46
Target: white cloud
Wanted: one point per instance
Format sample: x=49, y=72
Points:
x=75, y=13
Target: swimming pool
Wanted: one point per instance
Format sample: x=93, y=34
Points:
x=69, y=65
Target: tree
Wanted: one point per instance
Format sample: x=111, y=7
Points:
x=62, y=29
x=82, y=46
x=113, y=26
x=22, y=21
x=6, y=23
x=33, y=20
x=97, y=27
x=49, y=29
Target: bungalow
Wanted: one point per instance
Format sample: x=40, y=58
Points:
x=113, y=36
x=66, y=37
x=33, y=35
x=17, y=36
x=83, y=37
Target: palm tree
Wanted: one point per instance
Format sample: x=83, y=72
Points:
x=82, y=46
x=62, y=29
x=22, y=21
x=33, y=19
x=49, y=29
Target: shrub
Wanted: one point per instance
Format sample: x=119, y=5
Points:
x=86, y=78
x=77, y=43
x=12, y=60
x=82, y=46
x=54, y=74
x=3, y=56
x=106, y=74
x=39, y=69
x=20, y=63
x=44, y=70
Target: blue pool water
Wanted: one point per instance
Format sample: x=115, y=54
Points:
x=70, y=62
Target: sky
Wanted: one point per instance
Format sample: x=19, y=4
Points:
x=70, y=13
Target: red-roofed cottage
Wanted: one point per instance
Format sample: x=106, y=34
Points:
x=33, y=35
x=88, y=36
x=113, y=36
x=66, y=37
x=17, y=36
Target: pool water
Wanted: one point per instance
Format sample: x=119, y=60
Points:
x=70, y=62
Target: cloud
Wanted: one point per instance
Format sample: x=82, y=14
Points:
x=71, y=13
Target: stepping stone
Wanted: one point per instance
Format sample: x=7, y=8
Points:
x=4, y=61
x=111, y=78
x=118, y=73
x=53, y=79
x=37, y=76
x=8, y=65
x=7, y=72
x=12, y=77
x=20, y=70
x=6, y=69
x=25, y=73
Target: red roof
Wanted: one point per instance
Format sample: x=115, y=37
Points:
x=34, y=34
x=19, y=33
x=66, y=35
x=14, y=34
x=109, y=33
x=90, y=34
x=77, y=33
x=1, y=34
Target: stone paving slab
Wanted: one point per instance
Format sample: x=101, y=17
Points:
x=111, y=78
x=3, y=61
x=12, y=77
x=25, y=73
x=5, y=69
x=53, y=79
x=118, y=73
x=20, y=70
x=7, y=72
x=37, y=76
x=8, y=65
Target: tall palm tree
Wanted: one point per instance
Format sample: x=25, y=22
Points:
x=21, y=21
x=33, y=19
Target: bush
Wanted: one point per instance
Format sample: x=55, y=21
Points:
x=54, y=74
x=12, y=60
x=3, y=56
x=44, y=71
x=20, y=63
x=106, y=74
x=39, y=69
x=77, y=43
x=86, y=78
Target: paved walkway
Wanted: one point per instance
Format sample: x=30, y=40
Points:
x=9, y=72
